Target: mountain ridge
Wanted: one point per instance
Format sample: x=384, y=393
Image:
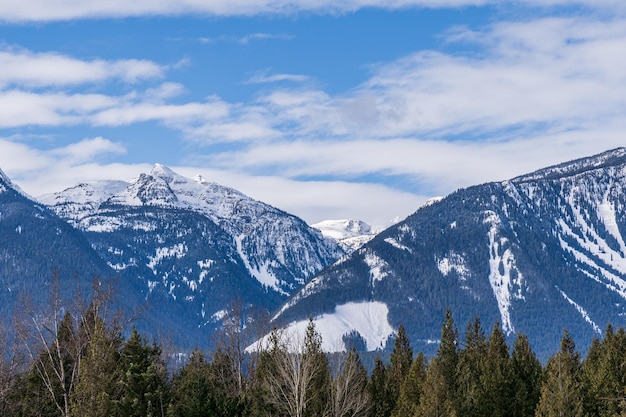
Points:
x=535, y=255
x=194, y=247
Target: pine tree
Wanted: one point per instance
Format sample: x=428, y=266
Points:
x=143, y=379
x=526, y=370
x=435, y=400
x=439, y=396
x=411, y=391
x=561, y=393
x=55, y=369
x=96, y=389
x=604, y=374
x=496, y=377
x=226, y=383
x=448, y=356
x=469, y=369
x=382, y=404
x=318, y=390
x=191, y=389
x=401, y=360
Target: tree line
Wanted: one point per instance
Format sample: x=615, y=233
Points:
x=77, y=362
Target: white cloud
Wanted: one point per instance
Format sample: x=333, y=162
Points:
x=40, y=171
x=262, y=78
x=24, y=108
x=521, y=96
x=86, y=150
x=49, y=10
x=22, y=67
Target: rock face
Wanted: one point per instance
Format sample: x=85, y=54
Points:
x=537, y=254
x=191, y=248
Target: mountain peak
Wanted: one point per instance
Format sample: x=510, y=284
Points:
x=164, y=172
x=6, y=183
x=4, y=178
x=609, y=158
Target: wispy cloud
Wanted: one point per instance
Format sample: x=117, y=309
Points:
x=26, y=68
x=50, y=10
x=515, y=96
x=265, y=78
x=245, y=39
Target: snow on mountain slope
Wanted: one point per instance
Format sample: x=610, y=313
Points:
x=349, y=234
x=369, y=319
x=536, y=254
x=193, y=247
x=279, y=249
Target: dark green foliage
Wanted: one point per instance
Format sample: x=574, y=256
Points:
x=526, y=378
x=448, y=355
x=411, y=390
x=198, y=390
x=97, y=388
x=470, y=369
x=476, y=378
x=382, y=400
x=561, y=393
x=496, y=378
x=226, y=395
x=604, y=374
x=143, y=379
x=435, y=399
x=319, y=389
x=439, y=395
x=400, y=363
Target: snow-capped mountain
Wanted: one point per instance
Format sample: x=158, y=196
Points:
x=193, y=247
x=537, y=254
x=349, y=234
x=34, y=245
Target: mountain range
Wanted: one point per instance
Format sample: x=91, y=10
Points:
x=186, y=248
x=536, y=254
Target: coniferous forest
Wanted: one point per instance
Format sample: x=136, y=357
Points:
x=85, y=360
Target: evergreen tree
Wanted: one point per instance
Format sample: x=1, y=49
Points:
x=143, y=379
x=469, y=369
x=318, y=390
x=435, y=400
x=401, y=360
x=55, y=369
x=604, y=374
x=410, y=393
x=526, y=379
x=448, y=356
x=561, y=393
x=191, y=389
x=261, y=389
x=96, y=389
x=439, y=396
x=496, y=377
x=382, y=404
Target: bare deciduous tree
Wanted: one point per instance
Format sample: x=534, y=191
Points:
x=290, y=373
x=10, y=366
x=56, y=339
x=349, y=396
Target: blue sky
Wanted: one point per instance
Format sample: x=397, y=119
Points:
x=354, y=109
